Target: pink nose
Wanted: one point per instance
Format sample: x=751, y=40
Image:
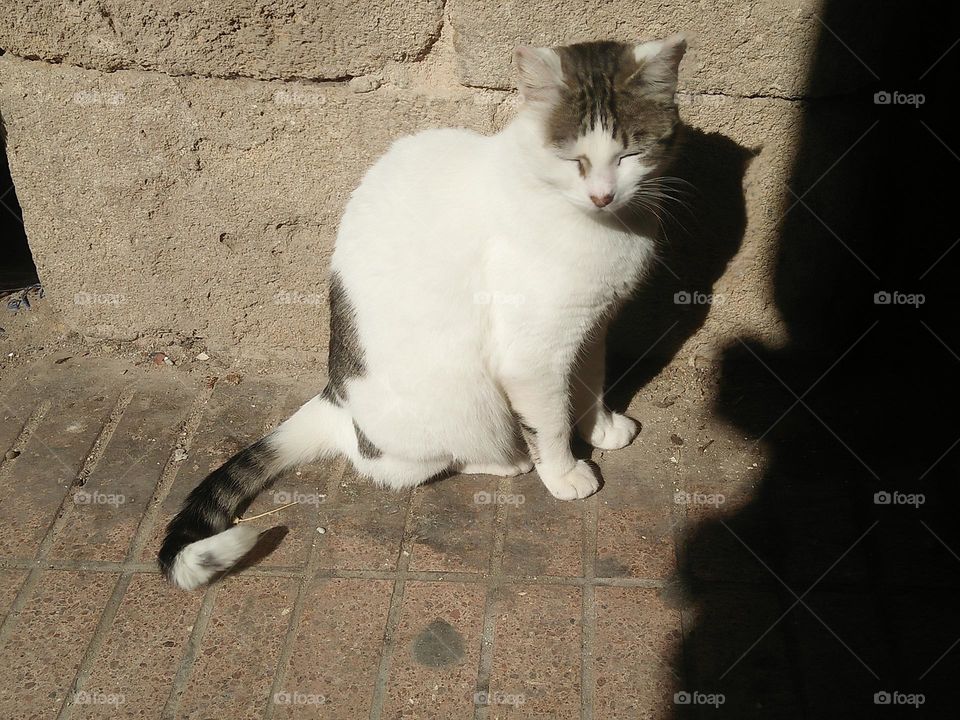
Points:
x=602, y=200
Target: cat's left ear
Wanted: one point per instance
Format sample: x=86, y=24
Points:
x=540, y=74
x=659, y=61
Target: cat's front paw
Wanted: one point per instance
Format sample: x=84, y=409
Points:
x=613, y=432
x=580, y=482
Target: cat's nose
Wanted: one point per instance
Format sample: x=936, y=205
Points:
x=602, y=200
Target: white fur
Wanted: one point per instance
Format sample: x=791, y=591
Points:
x=481, y=276
x=317, y=430
x=479, y=269
x=198, y=562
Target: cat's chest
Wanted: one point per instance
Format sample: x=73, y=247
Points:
x=608, y=268
x=584, y=276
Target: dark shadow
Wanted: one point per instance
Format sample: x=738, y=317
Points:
x=701, y=234
x=16, y=269
x=831, y=592
x=268, y=541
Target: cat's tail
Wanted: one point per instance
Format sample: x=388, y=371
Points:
x=202, y=539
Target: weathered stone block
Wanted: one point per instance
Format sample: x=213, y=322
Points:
x=201, y=205
x=738, y=49
x=240, y=38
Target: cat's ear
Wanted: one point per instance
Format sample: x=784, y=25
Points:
x=658, y=62
x=539, y=74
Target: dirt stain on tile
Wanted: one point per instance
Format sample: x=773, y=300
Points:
x=438, y=645
x=612, y=567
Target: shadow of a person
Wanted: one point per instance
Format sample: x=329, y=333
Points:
x=829, y=593
x=702, y=229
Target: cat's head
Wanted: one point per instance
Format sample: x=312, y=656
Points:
x=606, y=114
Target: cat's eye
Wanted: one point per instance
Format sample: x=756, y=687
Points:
x=626, y=155
x=582, y=165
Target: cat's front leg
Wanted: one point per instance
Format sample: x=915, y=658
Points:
x=540, y=397
x=596, y=424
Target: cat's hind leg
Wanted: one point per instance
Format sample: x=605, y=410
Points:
x=389, y=469
x=399, y=473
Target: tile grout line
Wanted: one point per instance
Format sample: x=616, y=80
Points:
x=678, y=537
x=189, y=657
x=591, y=513
x=184, y=441
x=105, y=435
x=26, y=430
x=89, y=465
x=687, y=679
x=393, y=614
x=488, y=632
x=289, y=571
x=306, y=576
x=23, y=437
x=183, y=437
x=85, y=667
x=91, y=457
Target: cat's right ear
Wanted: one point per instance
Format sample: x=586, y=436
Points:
x=539, y=74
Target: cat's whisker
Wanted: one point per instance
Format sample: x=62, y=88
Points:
x=675, y=179
x=650, y=202
x=656, y=184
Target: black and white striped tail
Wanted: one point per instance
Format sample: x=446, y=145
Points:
x=202, y=538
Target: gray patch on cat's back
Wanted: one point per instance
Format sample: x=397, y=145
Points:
x=345, y=359
x=439, y=644
x=365, y=445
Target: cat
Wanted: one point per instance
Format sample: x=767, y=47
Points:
x=471, y=287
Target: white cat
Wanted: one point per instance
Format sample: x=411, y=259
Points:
x=472, y=283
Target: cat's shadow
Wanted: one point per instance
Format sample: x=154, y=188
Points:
x=700, y=236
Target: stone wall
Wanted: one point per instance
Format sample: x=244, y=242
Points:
x=182, y=166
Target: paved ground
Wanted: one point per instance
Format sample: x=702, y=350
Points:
x=468, y=598
x=406, y=606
